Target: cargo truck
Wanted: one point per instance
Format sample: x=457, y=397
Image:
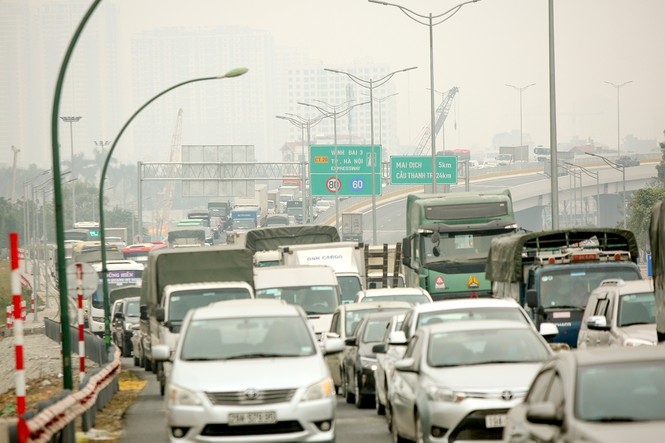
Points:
x=552, y=273
x=352, y=226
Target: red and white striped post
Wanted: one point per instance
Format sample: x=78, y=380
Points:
x=79, y=295
x=18, y=338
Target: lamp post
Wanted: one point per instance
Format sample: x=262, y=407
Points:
x=71, y=120
x=15, y=150
x=592, y=174
x=520, y=89
x=303, y=123
x=618, y=87
x=617, y=167
x=334, y=114
x=371, y=84
x=430, y=21
x=102, y=235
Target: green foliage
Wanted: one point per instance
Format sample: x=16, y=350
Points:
x=11, y=220
x=661, y=167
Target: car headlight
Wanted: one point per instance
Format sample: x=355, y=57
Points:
x=179, y=396
x=445, y=394
x=323, y=389
x=368, y=363
x=637, y=342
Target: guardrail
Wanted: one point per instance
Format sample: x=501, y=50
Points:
x=55, y=419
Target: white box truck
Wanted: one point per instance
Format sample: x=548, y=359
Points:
x=346, y=258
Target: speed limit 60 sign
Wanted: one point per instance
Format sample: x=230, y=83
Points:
x=347, y=170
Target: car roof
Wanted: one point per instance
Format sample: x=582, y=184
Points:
x=462, y=303
x=254, y=307
x=604, y=355
x=391, y=291
x=365, y=306
x=473, y=325
x=627, y=286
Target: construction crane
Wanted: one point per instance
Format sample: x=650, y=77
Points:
x=441, y=114
x=174, y=157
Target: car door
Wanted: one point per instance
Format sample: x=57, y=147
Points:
x=334, y=361
x=603, y=307
x=404, y=389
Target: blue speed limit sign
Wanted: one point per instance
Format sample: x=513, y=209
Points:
x=333, y=184
x=358, y=185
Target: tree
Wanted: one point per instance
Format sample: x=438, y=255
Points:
x=643, y=201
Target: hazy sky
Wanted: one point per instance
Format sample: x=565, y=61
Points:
x=485, y=46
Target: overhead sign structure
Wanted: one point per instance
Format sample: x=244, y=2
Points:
x=417, y=170
x=347, y=171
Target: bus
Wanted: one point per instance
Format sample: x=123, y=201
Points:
x=120, y=273
x=448, y=240
x=139, y=251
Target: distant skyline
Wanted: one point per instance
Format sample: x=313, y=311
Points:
x=485, y=46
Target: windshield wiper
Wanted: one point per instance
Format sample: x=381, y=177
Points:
x=256, y=355
x=614, y=419
x=563, y=307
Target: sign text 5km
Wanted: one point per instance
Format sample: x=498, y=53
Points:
x=347, y=171
x=416, y=170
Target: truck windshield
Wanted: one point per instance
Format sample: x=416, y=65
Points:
x=461, y=246
x=570, y=287
x=244, y=224
x=350, y=285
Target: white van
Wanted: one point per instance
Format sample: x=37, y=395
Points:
x=313, y=287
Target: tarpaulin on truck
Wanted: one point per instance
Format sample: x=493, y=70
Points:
x=657, y=241
x=509, y=253
x=266, y=239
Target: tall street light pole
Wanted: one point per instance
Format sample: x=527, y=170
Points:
x=430, y=21
x=618, y=87
x=303, y=123
x=71, y=120
x=334, y=114
x=554, y=163
x=520, y=89
x=371, y=84
x=102, y=235
x=15, y=150
x=621, y=168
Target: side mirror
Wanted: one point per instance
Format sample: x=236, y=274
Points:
x=332, y=346
x=597, y=323
x=351, y=341
x=159, y=314
x=379, y=348
x=397, y=338
x=531, y=298
x=143, y=312
x=406, y=252
x=544, y=414
x=405, y=365
x=549, y=330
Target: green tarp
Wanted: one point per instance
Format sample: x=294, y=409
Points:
x=267, y=239
x=508, y=253
x=657, y=240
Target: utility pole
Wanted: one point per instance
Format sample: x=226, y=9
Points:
x=13, y=192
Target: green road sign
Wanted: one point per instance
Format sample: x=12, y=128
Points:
x=354, y=173
x=417, y=170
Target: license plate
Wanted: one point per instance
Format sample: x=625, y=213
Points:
x=252, y=418
x=495, y=421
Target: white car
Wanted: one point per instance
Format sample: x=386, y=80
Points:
x=219, y=388
x=414, y=296
x=323, y=205
x=458, y=380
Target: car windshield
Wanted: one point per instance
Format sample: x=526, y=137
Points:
x=313, y=299
x=632, y=391
x=247, y=338
x=637, y=309
x=570, y=288
x=477, y=347
x=181, y=302
x=133, y=308
x=472, y=314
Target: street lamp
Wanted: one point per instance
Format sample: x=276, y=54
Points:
x=371, y=84
x=303, y=123
x=102, y=235
x=592, y=174
x=15, y=150
x=71, y=120
x=334, y=114
x=621, y=168
x=430, y=21
x=520, y=89
x=618, y=86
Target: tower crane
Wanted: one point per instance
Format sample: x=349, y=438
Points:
x=441, y=114
x=174, y=157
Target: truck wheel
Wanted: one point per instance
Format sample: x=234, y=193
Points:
x=137, y=361
x=127, y=348
x=147, y=364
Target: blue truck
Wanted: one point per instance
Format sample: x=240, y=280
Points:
x=552, y=273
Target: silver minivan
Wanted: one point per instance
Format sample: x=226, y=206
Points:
x=249, y=370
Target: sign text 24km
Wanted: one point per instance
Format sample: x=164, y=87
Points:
x=348, y=171
x=417, y=170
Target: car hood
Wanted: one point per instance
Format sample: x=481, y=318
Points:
x=506, y=376
x=641, y=332
x=645, y=432
x=236, y=375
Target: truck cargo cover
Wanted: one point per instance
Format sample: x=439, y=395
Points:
x=266, y=239
x=510, y=252
x=657, y=241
